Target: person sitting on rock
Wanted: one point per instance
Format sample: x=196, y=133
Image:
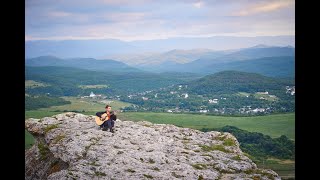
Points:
x=111, y=117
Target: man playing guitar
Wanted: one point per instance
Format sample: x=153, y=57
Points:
x=106, y=119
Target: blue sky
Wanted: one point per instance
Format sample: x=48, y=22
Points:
x=130, y=20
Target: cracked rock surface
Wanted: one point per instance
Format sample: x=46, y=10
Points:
x=72, y=146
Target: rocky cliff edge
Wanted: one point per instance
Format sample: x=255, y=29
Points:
x=72, y=146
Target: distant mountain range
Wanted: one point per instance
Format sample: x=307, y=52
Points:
x=269, y=61
x=262, y=59
x=82, y=63
x=108, y=47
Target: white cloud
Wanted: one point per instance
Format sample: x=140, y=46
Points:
x=124, y=17
x=198, y=4
x=264, y=7
x=59, y=14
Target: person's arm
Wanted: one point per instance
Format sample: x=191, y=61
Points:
x=113, y=116
x=99, y=114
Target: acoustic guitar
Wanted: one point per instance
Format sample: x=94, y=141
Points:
x=99, y=120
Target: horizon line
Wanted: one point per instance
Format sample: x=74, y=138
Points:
x=177, y=37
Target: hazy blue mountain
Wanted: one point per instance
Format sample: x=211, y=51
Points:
x=242, y=54
x=76, y=48
x=283, y=66
x=83, y=63
x=259, y=52
x=154, y=59
x=106, y=47
x=214, y=42
x=270, y=61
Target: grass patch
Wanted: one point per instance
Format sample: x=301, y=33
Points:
x=237, y=158
x=176, y=175
x=207, y=155
x=130, y=170
x=214, y=147
x=43, y=150
x=97, y=173
x=94, y=164
x=200, y=177
x=148, y=176
x=50, y=127
x=199, y=166
x=220, y=138
x=151, y=161
x=58, y=138
x=229, y=142
x=155, y=169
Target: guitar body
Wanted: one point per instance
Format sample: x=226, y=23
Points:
x=99, y=121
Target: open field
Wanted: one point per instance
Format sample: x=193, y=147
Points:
x=93, y=86
x=266, y=97
x=86, y=105
x=285, y=168
x=33, y=84
x=272, y=125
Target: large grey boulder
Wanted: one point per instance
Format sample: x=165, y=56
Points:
x=71, y=146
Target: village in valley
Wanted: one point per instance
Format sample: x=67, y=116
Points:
x=176, y=99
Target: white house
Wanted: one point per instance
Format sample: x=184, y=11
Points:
x=185, y=95
x=92, y=94
x=204, y=111
x=215, y=101
x=263, y=92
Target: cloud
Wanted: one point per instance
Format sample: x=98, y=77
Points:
x=123, y=2
x=265, y=7
x=150, y=19
x=198, y=4
x=58, y=14
x=124, y=17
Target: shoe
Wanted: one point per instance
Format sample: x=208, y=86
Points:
x=111, y=130
x=104, y=129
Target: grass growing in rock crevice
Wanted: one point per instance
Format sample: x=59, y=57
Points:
x=214, y=147
x=50, y=127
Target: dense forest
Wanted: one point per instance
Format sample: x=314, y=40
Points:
x=43, y=101
x=259, y=145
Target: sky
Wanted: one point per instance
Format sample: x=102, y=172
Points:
x=130, y=20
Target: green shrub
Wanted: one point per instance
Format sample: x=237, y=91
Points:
x=50, y=127
x=229, y=142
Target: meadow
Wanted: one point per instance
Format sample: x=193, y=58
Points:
x=272, y=125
